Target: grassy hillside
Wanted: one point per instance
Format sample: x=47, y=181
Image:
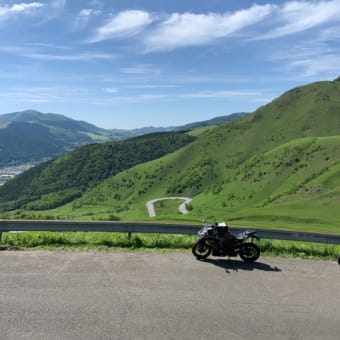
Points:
x=60, y=181
x=278, y=167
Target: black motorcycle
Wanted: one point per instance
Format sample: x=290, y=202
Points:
x=218, y=240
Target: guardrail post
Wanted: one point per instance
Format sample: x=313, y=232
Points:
x=129, y=234
x=0, y=236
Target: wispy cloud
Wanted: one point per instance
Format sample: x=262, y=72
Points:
x=44, y=94
x=140, y=69
x=251, y=95
x=310, y=59
x=124, y=24
x=58, y=4
x=171, y=31
x=111, y=90
x=30, y=95
x=298, y=16
x=49, y=52
x=84, y=17
x=7, y=10
x=153, y=86
x=329, y=34
x=325, y=65
x=221, y=94
x=188, y=29
x=70, y=57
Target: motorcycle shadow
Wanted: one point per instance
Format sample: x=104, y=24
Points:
x=235, y=266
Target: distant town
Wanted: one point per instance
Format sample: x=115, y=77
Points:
x=10, y=171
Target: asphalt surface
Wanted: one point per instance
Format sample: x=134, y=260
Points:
x=99, y=295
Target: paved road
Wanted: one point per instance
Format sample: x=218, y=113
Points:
x=98, y=295
x=182, y=208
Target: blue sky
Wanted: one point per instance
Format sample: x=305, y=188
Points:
x=134, y=63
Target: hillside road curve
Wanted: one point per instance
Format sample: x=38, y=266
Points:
x=138, y=295
x=182, y=207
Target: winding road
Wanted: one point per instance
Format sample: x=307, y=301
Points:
x=182, y=208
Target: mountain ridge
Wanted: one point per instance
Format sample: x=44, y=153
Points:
x=278, y=166
x=30, y=135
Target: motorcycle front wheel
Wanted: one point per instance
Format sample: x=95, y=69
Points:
x=250, y=252
x=201, y=250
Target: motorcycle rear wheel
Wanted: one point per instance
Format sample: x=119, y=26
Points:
x=201, y=250
x=250, y=252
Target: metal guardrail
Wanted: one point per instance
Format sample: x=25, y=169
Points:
x=151, y=227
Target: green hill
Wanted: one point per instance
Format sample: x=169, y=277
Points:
x=57, y=182
x=277, y=167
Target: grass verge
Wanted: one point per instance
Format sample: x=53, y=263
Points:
x=153, y=242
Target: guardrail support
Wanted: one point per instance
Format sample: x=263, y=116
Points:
x=0, y=236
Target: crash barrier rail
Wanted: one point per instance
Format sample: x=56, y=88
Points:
x=152, y=227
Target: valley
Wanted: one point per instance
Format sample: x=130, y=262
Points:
x=277, y=167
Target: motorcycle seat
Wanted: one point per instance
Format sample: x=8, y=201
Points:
x=239, y=236
x=244, y=234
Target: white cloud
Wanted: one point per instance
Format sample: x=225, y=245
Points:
x=110, y=90
x=327, y=65
x=6, y=10
x=23, y=6
x=188, y=29
x=70, y=57
x=298, y=16
x=87, y=12
x=124, y=24
x=178, y=30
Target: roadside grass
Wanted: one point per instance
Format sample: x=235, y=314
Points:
x=92, y=240
x=153, y=242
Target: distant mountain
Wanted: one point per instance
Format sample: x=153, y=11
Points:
x=125, y=134
x=121, y=134
x=30, y=135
